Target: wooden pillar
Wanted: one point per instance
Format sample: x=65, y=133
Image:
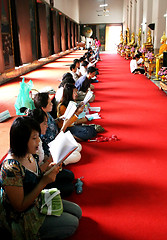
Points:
x=24, y=30
x=56, y=32
x=63, y=40
x=69, y=33
x=43, y=30
x=72, y=34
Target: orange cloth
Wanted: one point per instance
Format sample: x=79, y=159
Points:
x=163, y=48
x=60, y=111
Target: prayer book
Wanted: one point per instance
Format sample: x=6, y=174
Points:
x=94, y=116
x=95, y=109
x=61, y=147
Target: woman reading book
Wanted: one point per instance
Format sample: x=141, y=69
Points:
x=79, y=131
x=22, y=182
x=42, y=101
x=64, y=179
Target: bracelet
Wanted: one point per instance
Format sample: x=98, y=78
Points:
x=76, y=115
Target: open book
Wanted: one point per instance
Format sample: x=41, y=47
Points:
x=94, y=116
x=61, y=147
x=72, y=106
x=70, y=110
x=95, y=109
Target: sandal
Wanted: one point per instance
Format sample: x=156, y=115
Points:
x=99, y=128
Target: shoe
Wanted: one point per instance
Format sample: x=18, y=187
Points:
x=94, y=81
x=99, y=128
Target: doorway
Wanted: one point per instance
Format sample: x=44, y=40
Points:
x=112, y=37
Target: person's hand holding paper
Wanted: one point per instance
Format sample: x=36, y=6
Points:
x=70, y=110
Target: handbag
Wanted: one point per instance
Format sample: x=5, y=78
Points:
x=51, y=202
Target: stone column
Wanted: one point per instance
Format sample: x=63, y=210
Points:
x=130, y=17
x=139, y=15
x=125, y=16
x=147, y=17
x=133, y=18
x=159, y=9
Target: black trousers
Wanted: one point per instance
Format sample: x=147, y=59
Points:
x=64, y=182
x=141, y=70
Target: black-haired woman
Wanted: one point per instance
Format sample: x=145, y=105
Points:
x=22, y=182
x=65, y=178
x=80, y=132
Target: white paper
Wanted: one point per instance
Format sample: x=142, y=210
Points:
x=88, y=97
x=94, y=115
x=62, y=146
x=95, y=109
x=70, y=110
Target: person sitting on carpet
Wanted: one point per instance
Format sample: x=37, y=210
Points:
x=83, y=68
x=77, y=64
x=66, y=75
x=91, y=58
x=73, y=69
x=65, y=178
x=81, y=60
x=43, y=101
x=84, y=82
x=134, y=65
x=59, y=92
x=22, y=182
x=80, y=132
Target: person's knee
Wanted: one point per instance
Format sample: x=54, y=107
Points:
x=65, y=228
x=92, y=87
x=73, y=158
x=71, y=227
x=92, y=98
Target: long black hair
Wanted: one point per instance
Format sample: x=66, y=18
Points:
x=67, y=94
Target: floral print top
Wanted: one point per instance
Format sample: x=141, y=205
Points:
x=51, y=133
x=22, y=225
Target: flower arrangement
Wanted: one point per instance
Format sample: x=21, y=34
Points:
x=127, y=47
x=143, y=50
x=133, y=49
x=140, y=50
x=149, y=55
x=162, y=71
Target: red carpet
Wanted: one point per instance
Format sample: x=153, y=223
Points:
x=125, y=183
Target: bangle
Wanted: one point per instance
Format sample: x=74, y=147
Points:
x=76, y=115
